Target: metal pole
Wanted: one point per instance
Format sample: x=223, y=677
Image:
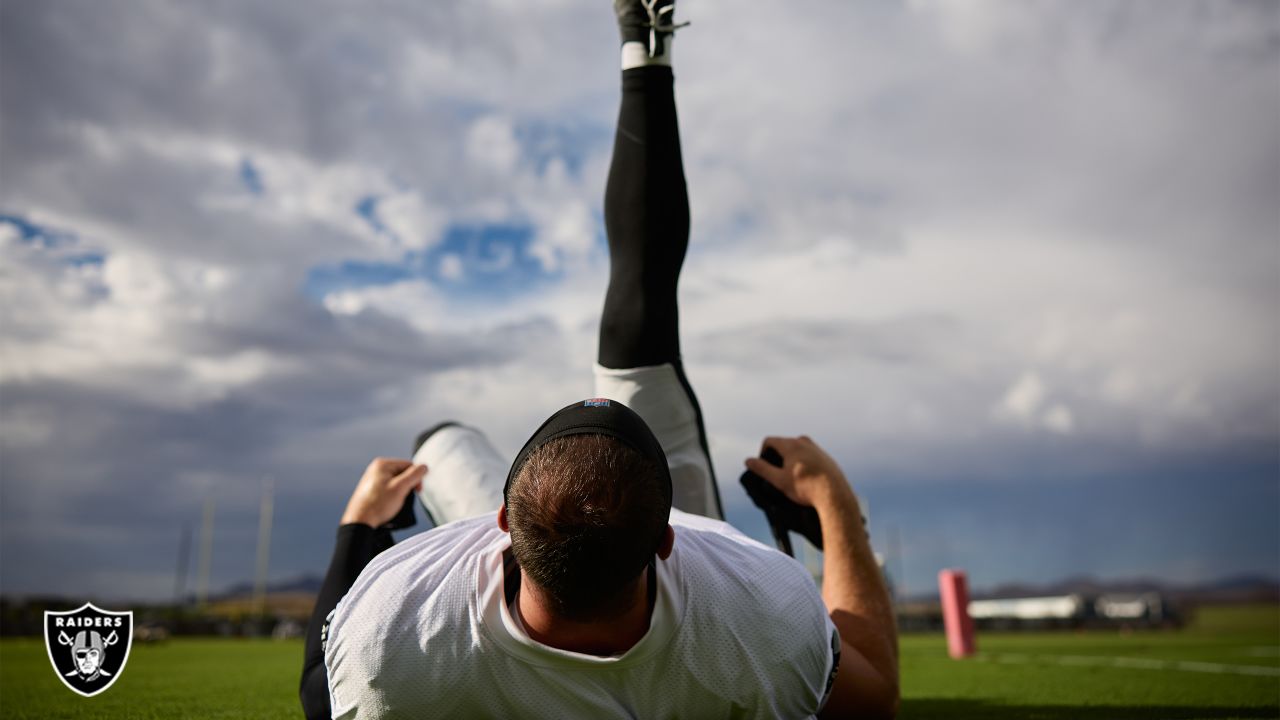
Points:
x=184, y=559
x=206, y=554
x=895, y=553
x=264, y=547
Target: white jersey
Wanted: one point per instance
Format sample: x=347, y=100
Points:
x=738, y=630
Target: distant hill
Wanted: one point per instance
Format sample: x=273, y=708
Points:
x=300, y=584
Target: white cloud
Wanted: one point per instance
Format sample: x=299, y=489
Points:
x=1023, y=399
x=565, y=232
x=414, y=223
x=237, y=370
x=451, y=267
x=413, y=301
x=972, y=26
x=491, y=144
x=1059, y=419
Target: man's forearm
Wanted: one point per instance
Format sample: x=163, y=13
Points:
x=852, y=586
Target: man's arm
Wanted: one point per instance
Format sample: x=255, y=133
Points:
x=378, y=496
x=356, y=545
x=852, y=586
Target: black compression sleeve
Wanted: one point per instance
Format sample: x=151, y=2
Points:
x=356, y=545
x=646, y=216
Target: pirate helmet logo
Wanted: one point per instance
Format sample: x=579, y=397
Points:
x=88, y=646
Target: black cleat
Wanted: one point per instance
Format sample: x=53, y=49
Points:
x=648, y=22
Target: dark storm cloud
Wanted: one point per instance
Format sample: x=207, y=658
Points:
x=115, y=477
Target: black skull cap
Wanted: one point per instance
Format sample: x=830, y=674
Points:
x=596, y=416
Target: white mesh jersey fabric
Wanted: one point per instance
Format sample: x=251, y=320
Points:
x=738, y=631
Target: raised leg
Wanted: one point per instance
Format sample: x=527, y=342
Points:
x=646, y=210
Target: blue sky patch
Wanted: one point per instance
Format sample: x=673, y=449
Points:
x=39, y=235
x=355, y=274
x=493, y=256
x=85, y=259
x=367, y=209
x=542, y=142
x=64, y=244
x=251, y=177
x=488, y=262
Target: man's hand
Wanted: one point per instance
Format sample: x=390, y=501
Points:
x=852, y=588
x=381, y=491
x=808, y=476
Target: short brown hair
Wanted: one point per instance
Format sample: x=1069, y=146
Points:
x=587, y=514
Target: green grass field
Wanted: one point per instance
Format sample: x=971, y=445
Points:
x=1227, y=665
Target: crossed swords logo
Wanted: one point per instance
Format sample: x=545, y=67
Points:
x=88, y=653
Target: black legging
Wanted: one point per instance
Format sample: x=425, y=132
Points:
x=646, y=215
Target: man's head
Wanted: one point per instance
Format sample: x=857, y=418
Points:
x=587, y=514
x=587, y=504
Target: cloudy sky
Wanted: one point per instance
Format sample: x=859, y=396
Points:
x=1017, y=264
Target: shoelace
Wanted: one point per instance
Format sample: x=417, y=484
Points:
x=656, y=19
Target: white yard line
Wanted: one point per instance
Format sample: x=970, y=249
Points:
x=1228, y=669
x=1127, y=662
